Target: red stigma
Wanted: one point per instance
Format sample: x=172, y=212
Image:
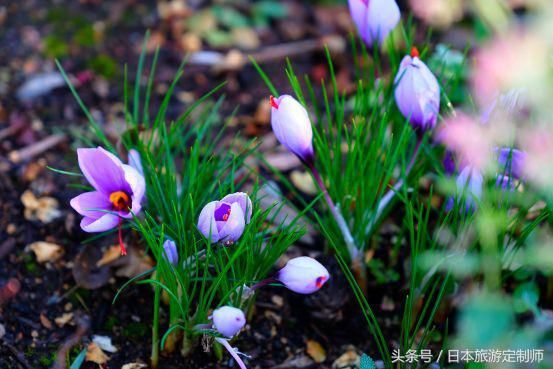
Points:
x=121, y=243
x=225, y=216
x=320, y=281
x=414, y=52
x=273, y=102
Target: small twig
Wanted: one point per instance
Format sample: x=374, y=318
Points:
x=29, y=152
x=83, y=324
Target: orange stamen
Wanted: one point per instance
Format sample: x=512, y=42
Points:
x=414, y=52
x=120, y=200
x=320, y=281
x=273, y=102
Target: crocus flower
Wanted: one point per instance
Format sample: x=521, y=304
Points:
x=303, y=275
x=374, y=19
x=170, y=252
x=469, y=183
x=292, y=126
x=225, y=220
x=118, y=191
x=417, y=92
x=511, y=161
x=228, y=320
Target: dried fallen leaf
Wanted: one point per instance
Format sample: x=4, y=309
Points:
x=134, y=366
x=104, y=342
x=46, y=323
x=44, y=208
x=304, y=182
x=63, y=319
x=96, y=355
x=46, y=251
x=86, y=272
x=133, y=264
x=316, y=351
x=111, y=254
x=300, y=361
x=349, y=359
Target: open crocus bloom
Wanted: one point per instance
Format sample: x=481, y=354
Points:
x=119, y=190
x=303, y=275
x=225, y=220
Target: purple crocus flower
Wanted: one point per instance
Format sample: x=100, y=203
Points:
x=303, y=275
x=170, y=252
x=228, y=320
x=469, y=183
x=118, y=191
x=225, y=220
x=135, y=161
x=510, y=161
x=374, y=19
x=417, y=92
x=292, y=126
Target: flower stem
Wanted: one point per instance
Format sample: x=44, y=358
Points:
x=335, y=210
x=231, y=351
x=263, y=283
x=388, y=197
x=155, y=329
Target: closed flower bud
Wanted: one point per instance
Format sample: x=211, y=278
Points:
x=292, y=126
x=226, y=219
x=417, y=93
x=228, y=320
x=303, y=275
x=170, y=252
x=374, y=19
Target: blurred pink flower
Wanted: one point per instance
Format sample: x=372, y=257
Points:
x=538, y=145
x=468, y=139
x=514, y=60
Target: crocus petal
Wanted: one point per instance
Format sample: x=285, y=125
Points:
x=469, y=183
x=292, y=127
x=135, y=161
x=90, y=204
x=382, y=18
x=374, y=19
x=417, y=93
x=137, y=185
x=104, y=223
x=303, y=275
x=235, y=224
x=103, y=170
x=170, y=252
x=228, y=320
x=243, y=200
x=359, y=13
x=206, y=222
x=510, y=161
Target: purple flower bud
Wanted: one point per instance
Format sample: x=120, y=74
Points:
x=510, y=161
x=170, y=252
x=469, y=184
x=292, y=126
x=374, y=19
x=417, y=92
x=303, y=275
x=228, y=320
x=226, y=219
